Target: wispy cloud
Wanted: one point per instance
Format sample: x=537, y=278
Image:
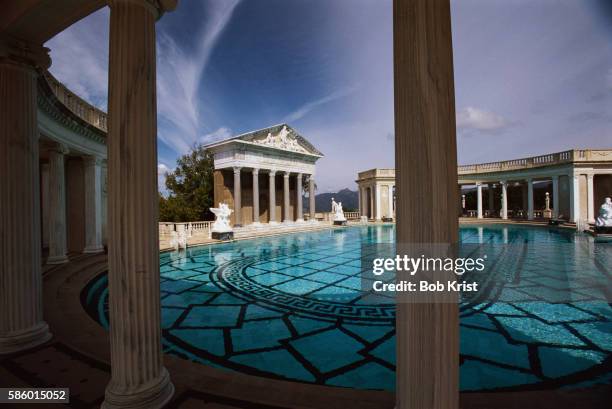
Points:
x=474, y=119
x=218, y=135
x=80, y=57
x=162, y=170
x=306, y=108
x=179, y=75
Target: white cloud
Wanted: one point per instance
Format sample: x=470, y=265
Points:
x=306, y=108
x=162, y=170
x=218, y=135
x=476, y=119
x=80, y=57
x=179, y=73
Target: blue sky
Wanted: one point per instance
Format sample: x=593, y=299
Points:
x=531, y=77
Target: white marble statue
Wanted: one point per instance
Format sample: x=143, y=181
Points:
x=338, y=213
x=605, y=214
x=222, y=218
x=178, y=239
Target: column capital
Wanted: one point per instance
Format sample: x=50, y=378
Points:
x=272, y=172
x=590, y=176
x=503, y=182
x=255, y=171
x=237, y=169
x=156, y=7
x=555, y=177
x=286, y=174
x=478, y=183
x=92, y=160
x=57, y=147
x=16, y=51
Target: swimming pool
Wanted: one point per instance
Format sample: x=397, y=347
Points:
x=293, y=307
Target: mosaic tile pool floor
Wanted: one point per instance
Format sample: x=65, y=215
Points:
x=292, y=307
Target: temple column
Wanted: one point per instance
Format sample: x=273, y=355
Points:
x=590, y=200
x=390, y=201
x=377, y=199
x=21, y=317
x=57, y=205
x=272, y=191
x=311, y=198
x=574, y=195
x=491, y=199
x=44, y=198
x=286, y=213
x=555, y=187
x=138, y=376
x=237, y=198
x=530, y=205
x=256, y=197
x=479, y=199
x=504, y=200
x=93, y=205
x=300, y=210
x=427, y=330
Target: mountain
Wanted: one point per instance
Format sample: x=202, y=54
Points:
x=349, y=199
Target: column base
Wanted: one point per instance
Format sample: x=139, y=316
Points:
x=93, y=250
x=300, y=221
x=256, y=224
x=154, y=395
x=26, y=339
x=57, y=259
x=272, y=223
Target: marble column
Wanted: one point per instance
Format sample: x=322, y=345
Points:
x=391, y=201
x=311, y=198
x=237, y=198
x=427, y=331
x=21, y=317
x=530, y=204
x=44, y=198
x=93, y=205
x=574, y=195
x=504, y=200
x=256, y=197
x=57, y=205
x=272, y=191
x=377, y=199
x=479, y=199
x=590, y=200
x=138, y=376
x=286, y=209
x=300, y=209
x=555, y=188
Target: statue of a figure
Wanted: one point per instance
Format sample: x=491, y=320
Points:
x=605, y=214
x=338, y=213
x=222, y=218
x=283, y=135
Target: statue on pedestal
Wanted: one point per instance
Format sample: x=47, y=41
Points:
x=337, y=213
x=222, y=228
x=603, y=224
x=547, y=212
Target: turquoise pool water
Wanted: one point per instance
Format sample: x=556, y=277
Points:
x=293, y=307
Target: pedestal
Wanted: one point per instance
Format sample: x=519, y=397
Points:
x=339, y=222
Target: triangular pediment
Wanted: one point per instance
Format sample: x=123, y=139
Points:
x=281, y=137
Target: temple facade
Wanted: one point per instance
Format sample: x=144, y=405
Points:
x=572, y=184
x=263, y=174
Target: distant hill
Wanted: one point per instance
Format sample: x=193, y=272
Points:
x=349, y=199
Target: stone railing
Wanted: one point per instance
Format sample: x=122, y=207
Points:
x=76, y=104
x=376, y=173
x=352, y=215
x=575, y=155
x=166, y=228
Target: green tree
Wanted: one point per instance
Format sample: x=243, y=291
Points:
x=190, y=188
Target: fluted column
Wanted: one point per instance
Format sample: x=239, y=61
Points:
x=377, y=209
x=574, y=198
x=272, y=192
x=300, y=209
x=590, y=200
x=256, y=196
x=237, y=198
x=504, y=200
x=427, y=332
x=57, y=205
x=311, y=198
x=479, y=199
x=138, y=377
x=44, y=205
x=21, y=318
x=530, y=205
x=286, y=209
x=555, y=186
x=93, y=205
